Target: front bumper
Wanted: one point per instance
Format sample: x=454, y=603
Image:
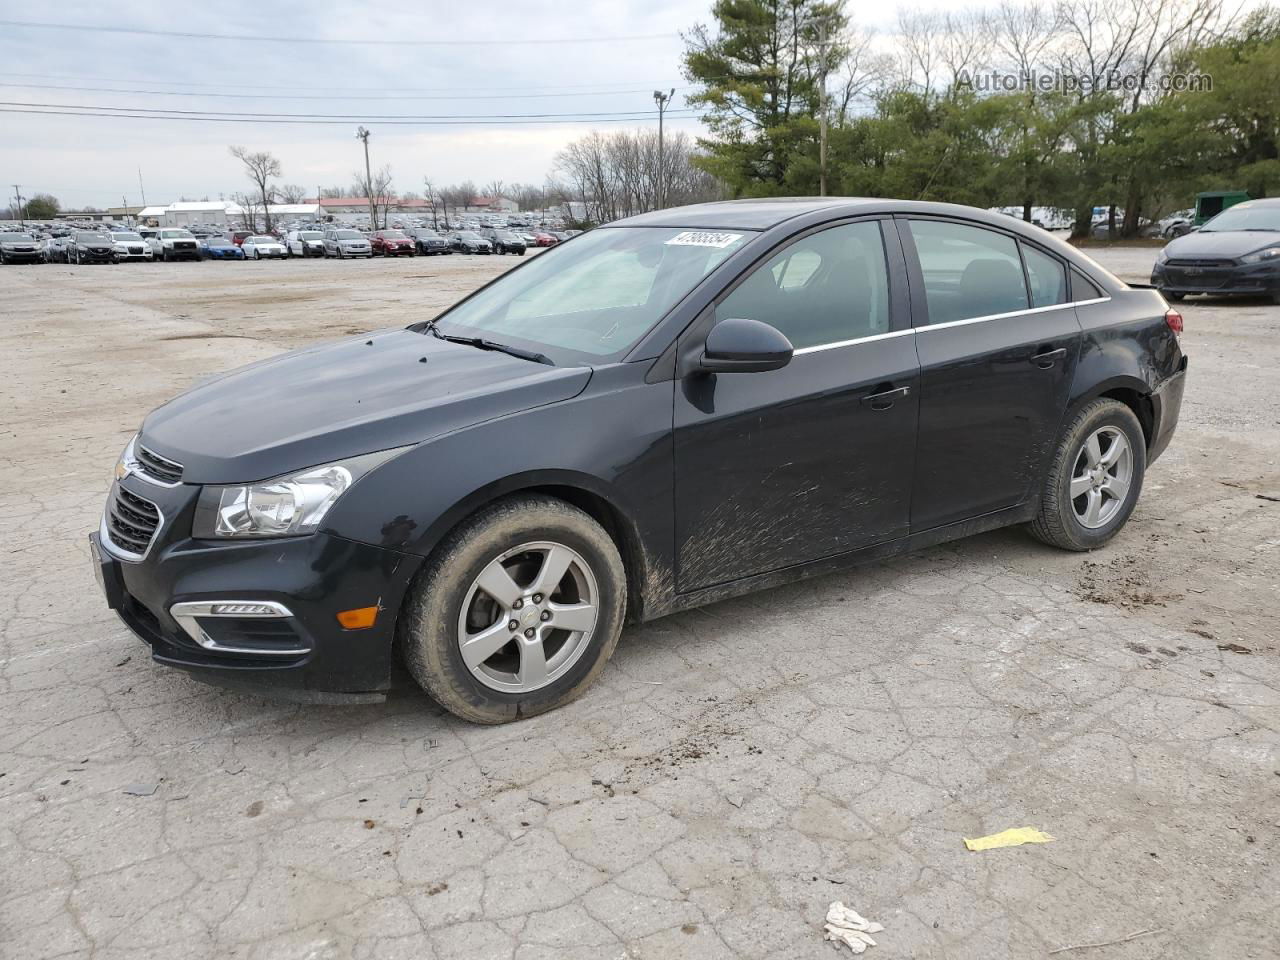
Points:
x=304, y=655
x=96, y=256
x=1258, y=279
x=182, y=253
x=22, y=256
x=405, y=251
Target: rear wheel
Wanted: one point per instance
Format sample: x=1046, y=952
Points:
x=517, y=613
x=1095, y=478
x=1170, y=295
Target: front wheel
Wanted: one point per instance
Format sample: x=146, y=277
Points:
x=518, y=612
x=1094, y=479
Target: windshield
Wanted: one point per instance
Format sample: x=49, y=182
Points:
x=261, y=240
x=126, y=236
x=393, y=235
x=348, y=235
x=311, y=235
x=87, y=237
x=220, y=242
x=1245, y=216
x=468, y=235
x=18, y=238
x=598, y=295
x=175, y=234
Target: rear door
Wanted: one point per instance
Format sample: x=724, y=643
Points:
x=778, y=468
x=998, y=341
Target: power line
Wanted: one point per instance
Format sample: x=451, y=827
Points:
x=241, y=37
x=327, y=97
x=641, y=85
x=564, y=119
x=340, y=117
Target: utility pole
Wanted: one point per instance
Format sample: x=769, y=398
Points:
x=822, y=109
x=319, y=207
x=662, y=99
x=363, y=134
x=18, y=196
x=141, y=189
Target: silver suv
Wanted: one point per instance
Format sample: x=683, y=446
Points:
x=345, y=243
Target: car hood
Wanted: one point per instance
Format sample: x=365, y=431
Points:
x=336, y=400
x=1227, y=243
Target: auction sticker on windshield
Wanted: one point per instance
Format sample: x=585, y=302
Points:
x=701, y=238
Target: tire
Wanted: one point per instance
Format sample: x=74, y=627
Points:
x=257, y=254
x=1059, y=522
x=431, y=620
x=1170, y=295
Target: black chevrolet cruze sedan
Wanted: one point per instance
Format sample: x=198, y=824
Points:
x=1237, y=252
x=671, y=409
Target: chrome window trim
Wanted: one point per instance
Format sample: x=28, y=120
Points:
x=104, y=533
x=1012, y=313
x=949, y=323
x=846, y=343
x=186, y=613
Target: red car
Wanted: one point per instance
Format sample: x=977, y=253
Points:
x=542, y=239
x=239, y=236
x=392, y=243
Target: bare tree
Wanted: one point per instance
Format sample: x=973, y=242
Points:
x=291, y=193
x=260, y=168
x=252, y=208
x=430, y=195
x=379, y=192
x=496, y=189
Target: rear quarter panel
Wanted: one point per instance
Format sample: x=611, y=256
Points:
x=1126, y=344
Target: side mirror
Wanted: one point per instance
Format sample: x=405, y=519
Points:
x=739, y=345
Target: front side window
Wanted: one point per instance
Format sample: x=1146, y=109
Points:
x=597, y=296
x=1048, y=278
x=968, y=271
x=825, y=288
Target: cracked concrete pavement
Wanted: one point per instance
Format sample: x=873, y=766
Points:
x=736, y=769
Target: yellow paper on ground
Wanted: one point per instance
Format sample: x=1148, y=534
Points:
x=1008, y=838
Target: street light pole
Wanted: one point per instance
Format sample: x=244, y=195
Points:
x=363, y=134
x=662, y=99
x=822, y=109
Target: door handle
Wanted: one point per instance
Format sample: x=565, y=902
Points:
x=1046, y=360
x=884, y=399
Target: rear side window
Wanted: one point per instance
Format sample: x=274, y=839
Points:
x=1048, y=278
x=1082, y=288
x=825, y=288
x=968, y=271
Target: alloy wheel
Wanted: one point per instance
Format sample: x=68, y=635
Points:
x=528, y=617
x=1101, y=477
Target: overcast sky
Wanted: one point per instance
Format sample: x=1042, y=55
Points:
x=489, y=58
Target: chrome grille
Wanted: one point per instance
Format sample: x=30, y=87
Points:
x=131, y=521
x=158, y=467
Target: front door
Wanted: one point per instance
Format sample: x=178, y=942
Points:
x=998, y=342
x=815, y=459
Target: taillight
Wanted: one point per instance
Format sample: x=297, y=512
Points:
x=1174, y=319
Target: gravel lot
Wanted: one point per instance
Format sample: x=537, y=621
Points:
x=738, y=767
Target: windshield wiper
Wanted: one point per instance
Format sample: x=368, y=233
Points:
x=484, y=344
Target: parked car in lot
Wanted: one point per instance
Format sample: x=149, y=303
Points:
x=392, y=243
x=220, y=248
x=346, y=243
x=55, y=248
x=429, y=243
x=542, y=238
x=130, y=246
x=305, y=243
x=468, y=241
x=673, y=409
x=239, y=236
x=1237, y=252
x=504, y=241
x=262, y=246
x=20, y=248
x=177, y=243
x=91, y=246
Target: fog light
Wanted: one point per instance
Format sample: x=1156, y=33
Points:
x=244, y=610
x=358, y=619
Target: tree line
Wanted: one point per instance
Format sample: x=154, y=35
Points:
x=932, y=115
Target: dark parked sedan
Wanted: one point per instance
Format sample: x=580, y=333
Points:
x=1238, y=251
x=430, y=243
x=504, y=241
x=20, y=248
x=675, y=408
x=467, y=241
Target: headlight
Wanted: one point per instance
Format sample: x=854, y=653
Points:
x=1259, y=256
x=1162, y=255
x=289, y=506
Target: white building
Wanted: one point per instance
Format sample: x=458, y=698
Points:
x=220, y=213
